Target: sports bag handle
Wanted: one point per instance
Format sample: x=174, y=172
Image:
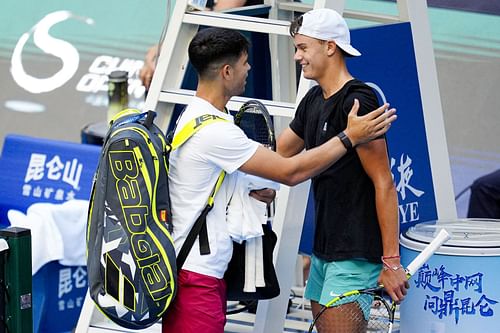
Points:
x=150, y=117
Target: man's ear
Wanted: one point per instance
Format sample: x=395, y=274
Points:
x=331, y=47
x=226, y=71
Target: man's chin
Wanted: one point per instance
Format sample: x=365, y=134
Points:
x=308, y=76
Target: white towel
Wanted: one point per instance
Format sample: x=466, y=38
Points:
x=259, y=263
x=250, y=262
x=71, y=220
x=245, y=215
x=254, y=265
x=57, y=232
x=46, y=240
x=257, y=183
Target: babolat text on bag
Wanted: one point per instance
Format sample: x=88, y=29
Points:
x=131, y=258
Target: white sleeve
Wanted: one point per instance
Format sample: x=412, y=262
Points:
x=226, y=145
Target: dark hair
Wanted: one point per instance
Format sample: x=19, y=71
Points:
x=295, y=25
x=214, y=47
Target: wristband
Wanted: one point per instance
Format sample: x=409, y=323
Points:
x=345, y=140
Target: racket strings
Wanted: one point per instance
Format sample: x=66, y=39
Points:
x=255, y=127
x=355, y=314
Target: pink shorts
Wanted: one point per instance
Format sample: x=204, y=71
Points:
x=199, y=306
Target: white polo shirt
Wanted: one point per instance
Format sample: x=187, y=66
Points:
x=194, y=169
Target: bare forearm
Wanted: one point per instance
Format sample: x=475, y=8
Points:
x=392, y=276
x=387, y=213
x=291, y=168
x=296, y=169
x=314, y=161
x=289, y=143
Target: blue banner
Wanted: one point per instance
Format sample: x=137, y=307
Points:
x=40, y=170
x=388, y=65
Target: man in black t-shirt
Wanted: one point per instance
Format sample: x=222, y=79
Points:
x=356, y=235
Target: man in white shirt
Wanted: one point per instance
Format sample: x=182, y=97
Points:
x=220, y=59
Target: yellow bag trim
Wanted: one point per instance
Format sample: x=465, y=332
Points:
x=211, y=198
x=192, y=127
x=187, y=131
x=122, y=113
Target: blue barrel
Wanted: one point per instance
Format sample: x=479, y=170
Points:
x=457, y=290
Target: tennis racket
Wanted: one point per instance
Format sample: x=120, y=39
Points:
x=254, y=119
x=368, y=310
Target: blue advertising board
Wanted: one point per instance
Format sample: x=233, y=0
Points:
x=34, y=170
x=42, y=170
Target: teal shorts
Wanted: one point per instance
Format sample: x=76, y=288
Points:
x=328, y=279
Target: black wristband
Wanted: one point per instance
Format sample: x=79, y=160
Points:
x=345, y=140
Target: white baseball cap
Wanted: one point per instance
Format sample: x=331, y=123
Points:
x=327, y=24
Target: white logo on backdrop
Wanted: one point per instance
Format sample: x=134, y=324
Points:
x=405, y=174
x=50, y=45
x=96, y=80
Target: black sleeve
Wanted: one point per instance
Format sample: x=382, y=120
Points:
x=367, y=99
x=298, y=123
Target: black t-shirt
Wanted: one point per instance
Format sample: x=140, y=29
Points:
x=346, y=219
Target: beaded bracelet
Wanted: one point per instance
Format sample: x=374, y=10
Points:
x=387, y=266
x=390, y=257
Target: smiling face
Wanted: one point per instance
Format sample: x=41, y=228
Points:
x=312, y=54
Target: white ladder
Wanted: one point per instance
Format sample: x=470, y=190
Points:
x=165, y=92
x=165, y=87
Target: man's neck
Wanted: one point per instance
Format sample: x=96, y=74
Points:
x=334, y=84
x=334, y=78
x=213, y=94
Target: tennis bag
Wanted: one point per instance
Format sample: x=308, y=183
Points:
x=131, y=261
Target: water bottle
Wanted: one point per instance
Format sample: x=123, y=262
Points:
x=117, y=93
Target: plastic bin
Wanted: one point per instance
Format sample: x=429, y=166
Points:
x=457, y=290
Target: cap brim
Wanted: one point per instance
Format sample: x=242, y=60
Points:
x=349, y=49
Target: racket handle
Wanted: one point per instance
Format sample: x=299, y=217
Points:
x=429, y=250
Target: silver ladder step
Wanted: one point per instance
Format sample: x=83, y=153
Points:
x=237, y=22
x=183, y=96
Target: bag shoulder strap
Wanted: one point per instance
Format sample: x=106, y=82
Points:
x=193, y=126
x=200, y=227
